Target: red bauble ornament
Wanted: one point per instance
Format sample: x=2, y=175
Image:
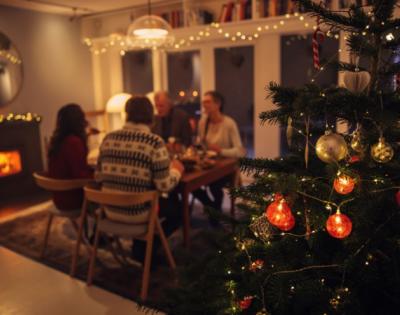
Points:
x=339, y=225
x=398, y=198
x=288, y=225
x=354, y=159
x=256, y=265
x=279, y=214
x=246, y=302
x=344, y=184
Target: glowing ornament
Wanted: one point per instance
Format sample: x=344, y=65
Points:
x=334, y=302
x=258, y=264
x=279, y=214
x=331, y=147
x=339, y=225
x=354, y=159
x=382, y=152
x=261, y=228
x=246, y=302
x=288, y=225
x=245, y=243
x=344, y=184
x=357, y=142
x=398, y=198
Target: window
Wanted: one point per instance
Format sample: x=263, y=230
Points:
x=234, y=77
x=138, y=72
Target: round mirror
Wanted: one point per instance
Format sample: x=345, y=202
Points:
x=10, y=70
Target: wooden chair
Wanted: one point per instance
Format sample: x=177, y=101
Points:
x=52, y=184
x=144, y=231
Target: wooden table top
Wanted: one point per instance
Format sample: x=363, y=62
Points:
x=198, y=178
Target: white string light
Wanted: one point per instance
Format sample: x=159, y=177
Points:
x=208, y=31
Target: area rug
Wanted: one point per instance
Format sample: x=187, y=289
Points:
x=24, y=234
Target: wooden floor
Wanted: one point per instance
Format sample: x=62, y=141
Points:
x=12, y=207
x=30, y=288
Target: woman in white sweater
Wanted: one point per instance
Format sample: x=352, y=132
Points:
x=220, y=134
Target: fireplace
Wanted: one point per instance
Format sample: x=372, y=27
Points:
x=10, y=163
x=20, y=155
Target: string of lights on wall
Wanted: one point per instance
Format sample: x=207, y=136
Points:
x=120, y=41
x=28, y=117
x=116, y=40
x=10, y=57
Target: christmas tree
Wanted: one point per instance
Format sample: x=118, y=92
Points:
x=319, y=230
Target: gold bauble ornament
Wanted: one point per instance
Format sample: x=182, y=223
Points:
x=382, y=152
x=357, y=142
x=331, y=147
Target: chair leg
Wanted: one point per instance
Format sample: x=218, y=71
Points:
x=191, y=206
x=167, y=250
x=121, y=250
x=146, y=271
x=84, y=240
x=46, y=235
x=93, y=257
x=114, y=250
x=75, y=253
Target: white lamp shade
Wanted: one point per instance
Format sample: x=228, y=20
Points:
x=116, y=104
x=150, y=31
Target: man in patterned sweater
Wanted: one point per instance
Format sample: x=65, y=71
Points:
x=133, y=159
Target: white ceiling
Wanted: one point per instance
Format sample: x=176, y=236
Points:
x=83, y=7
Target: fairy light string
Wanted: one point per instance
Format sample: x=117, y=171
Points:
x=116, y=40
x=341, y=291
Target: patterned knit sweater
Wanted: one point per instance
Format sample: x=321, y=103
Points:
x=133, y=159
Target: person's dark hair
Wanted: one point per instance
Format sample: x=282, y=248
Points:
x=139, y=110
x=218, y=98
x=70, y=121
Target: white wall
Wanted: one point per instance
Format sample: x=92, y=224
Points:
x=57, y=66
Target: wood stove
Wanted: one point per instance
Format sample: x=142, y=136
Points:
x=20, y=155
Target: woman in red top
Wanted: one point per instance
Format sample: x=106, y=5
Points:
x=67, y=154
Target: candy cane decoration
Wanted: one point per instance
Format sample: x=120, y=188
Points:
x=318, y=38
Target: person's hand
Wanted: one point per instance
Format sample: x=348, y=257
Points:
x=214, y=147
x=176, y=164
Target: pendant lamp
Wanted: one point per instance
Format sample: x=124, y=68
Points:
x=150, y=31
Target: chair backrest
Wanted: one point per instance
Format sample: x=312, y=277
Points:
x=120, y=199
x=53, y=184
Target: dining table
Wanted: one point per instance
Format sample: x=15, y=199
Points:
x=193, y=180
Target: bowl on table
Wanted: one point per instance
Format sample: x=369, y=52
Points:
x=189, y=163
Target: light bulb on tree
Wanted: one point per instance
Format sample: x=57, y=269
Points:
x=279, y=214
x=339, y=225
x=344, y=184
x=382, y=152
